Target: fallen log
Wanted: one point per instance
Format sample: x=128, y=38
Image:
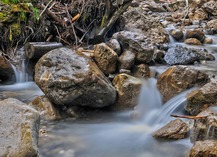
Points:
x=35, y=50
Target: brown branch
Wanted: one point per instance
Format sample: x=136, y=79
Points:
x=114, y=18
x=188, y=117
x=53, y=16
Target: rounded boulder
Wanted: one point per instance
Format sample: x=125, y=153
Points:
x=69, y=78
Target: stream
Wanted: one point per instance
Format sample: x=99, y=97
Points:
x=117, y=134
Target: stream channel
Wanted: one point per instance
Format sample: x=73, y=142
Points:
x=117, y=134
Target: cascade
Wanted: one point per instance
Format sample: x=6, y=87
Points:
x=20, y=68
x=115, y=137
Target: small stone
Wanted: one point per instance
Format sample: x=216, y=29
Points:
x=141, y=71
x=207, y=148
x=196, y=33
x=208, y=41
x=192, y=41
x=212, y=26
x=176, y=129
x=177, y=34
x=199, y=14
x=114, y=45
x=128, y=89
x=46, y=109
x=105, y=58
x=126, y=59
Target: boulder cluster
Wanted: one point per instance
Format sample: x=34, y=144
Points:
x=109, y=76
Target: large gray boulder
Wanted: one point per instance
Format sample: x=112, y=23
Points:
x=68, y=78
x=19, y=129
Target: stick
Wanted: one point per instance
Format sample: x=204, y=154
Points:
x=45, y=8
x=188, y=117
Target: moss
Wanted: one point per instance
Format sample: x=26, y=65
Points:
x=15, y=28
x=4, y=17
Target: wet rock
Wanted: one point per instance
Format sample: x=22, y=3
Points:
x=126, y=71
x=145, y=24
x=128, y=89
x=179, y=78
x=208, y=41
x=182, y=55
x=204, y=54
x=6, y=70
x=176, y=129
x=207, y=148
x=45, y=108
x=137, y=43
x=205, y=127
x=187, y=22
x=19, y=129
x=154, y=7
x=126, y=59
x=141, y=71
x=105, y=58
x=192, y=41
x=201, y=98
x=212, y=26
x=177, y=34
x=196, y=33
x=159, y=56
x=69, y=78
x=210, y=7
x=114, y=45
x=198, y=14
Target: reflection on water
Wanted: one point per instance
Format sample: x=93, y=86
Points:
x=115, y=134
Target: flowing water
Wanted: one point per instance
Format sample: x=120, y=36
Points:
x=117, y=134
x=20, y=67
x=125, y=134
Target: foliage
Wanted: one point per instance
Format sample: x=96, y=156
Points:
x=35, y=12
x=10, y=1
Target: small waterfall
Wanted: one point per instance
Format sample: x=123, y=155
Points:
x=149, y=100
x=150, y=108
x=172, y=40
x=20, y=68
x=117, y=137
x=162, y=116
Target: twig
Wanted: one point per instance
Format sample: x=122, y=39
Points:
x=64, y=40
x=45, y=8
x=187, y=10
x=73, y=28
x=88, y=28
x=188, y=117
x=114, y=18
x=53, y=16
